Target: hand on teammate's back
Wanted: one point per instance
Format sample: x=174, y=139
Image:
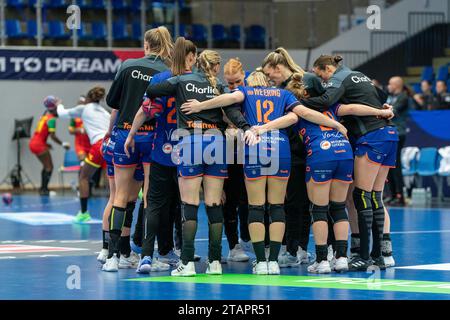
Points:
x=191, y=106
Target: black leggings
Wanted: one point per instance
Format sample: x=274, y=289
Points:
x=298, y=219
x=163, y=211
x=236, y=205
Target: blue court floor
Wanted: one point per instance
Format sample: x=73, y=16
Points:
x=41, y=252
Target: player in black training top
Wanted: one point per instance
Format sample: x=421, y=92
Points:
x=375, y=143
x=125, y=97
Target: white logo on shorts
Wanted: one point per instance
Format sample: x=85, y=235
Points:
x=167, y=148
x=325, y=145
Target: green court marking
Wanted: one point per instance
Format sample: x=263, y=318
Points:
x=369, y=283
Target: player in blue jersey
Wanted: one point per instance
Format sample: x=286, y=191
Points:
x=329, y=170
x=127, y=259
x=163, y=197
x=268, y=165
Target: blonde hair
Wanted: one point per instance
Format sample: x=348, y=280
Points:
x=233, y=66
x=257, y=79
x=182, y=48
x=206, y=61
x=160, y=42
x=281, y=56
x=296, y=86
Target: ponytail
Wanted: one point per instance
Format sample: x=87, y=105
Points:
x=160, y=42
x=182, y=48
x=296, y=86
x=281, y=56
x=206, y=61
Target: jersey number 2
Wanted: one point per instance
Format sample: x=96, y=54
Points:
x=172, y=114
x=267, y=105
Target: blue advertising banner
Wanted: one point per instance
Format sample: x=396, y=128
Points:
x=62, y=64
x=428, y=129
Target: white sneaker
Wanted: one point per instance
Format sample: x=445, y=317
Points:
x=282, y=251
x=237, y=254
x=389, y=262
x=287, y=260
x=340, y=264
x=303, y=256
x=322, y=267
x=273, y=267
x=102, y=256
x=171, y=258
x=260, y=268
x=111, y=264
x=158, y=266
x=129, y=262
x=214, y=268
x=247, y=246
x=184, y=270
x=330, y=254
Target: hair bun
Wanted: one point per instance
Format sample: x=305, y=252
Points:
x=297, y=76
x=338, y=58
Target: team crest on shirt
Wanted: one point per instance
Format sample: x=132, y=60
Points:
x=167, y=148
x=325, y=145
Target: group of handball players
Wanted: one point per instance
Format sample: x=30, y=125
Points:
x=276, y=152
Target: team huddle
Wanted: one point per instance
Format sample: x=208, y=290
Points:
x=274, y=151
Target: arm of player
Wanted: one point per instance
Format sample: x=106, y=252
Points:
x=138, y=121
x=325, y=101
x=163, y=89
x=283, y=122
x=318, y=118
x=64, y=113
x=363, y=110
x=224, y=100
x=112, y=121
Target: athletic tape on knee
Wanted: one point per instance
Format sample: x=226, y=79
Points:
x=256, y=214
x=117, y=219
x=129, y=214
x=189, y=212
x=277, y=213
x=215, y=214
x=319, y=213
x=362, y=200
x=338, y=212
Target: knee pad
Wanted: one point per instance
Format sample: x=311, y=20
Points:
x=277, y=213
x=117, y=219
x=215, y=214
x=189, y=212
x=362, y=200
x=377, y=200
x=338, y=213
x=129, y=214
x=319, y=213
x=256, y=214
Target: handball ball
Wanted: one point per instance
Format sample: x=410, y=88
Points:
x=7, y=198
x=50, y=102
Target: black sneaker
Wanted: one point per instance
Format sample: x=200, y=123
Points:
x=358, y=264
x=379, y=262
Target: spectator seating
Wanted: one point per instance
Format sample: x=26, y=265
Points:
x=99, y=30
x=14, y=30
x=219, y=35
x=428, y=74
x=17, y=3
x=255, y=37
x=120, y=31
x=56, y=30
x=428, y=165
x=442, y=74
